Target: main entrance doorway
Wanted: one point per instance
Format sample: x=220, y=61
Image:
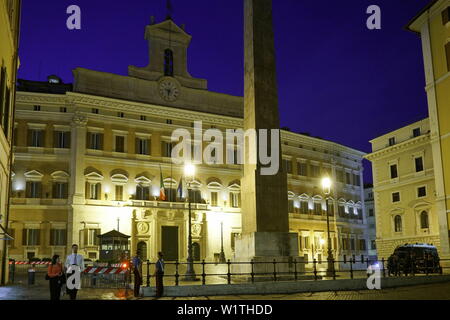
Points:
x=169, y=237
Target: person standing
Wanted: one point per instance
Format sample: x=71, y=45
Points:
x=54, y=273
x=137, y=271
x=159, y=275
x=74, y=262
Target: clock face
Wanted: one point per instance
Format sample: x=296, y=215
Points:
x=168, y=90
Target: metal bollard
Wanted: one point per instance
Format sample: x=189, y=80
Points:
x=229, y=271
x=148, y=273
x=12, y=270
x=203, y=273
x=177, y=274
x=31, y=276
x=351, y=268
x=315, y=269
x=252, y=263
x=334, y=269
x=295, y=270
x=274, y=270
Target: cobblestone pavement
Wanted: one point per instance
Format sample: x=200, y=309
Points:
x=439, y=291
x=40, y=291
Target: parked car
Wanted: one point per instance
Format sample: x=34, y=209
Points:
x=418, y=258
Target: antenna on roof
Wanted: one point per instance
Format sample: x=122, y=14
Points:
x=169, y=10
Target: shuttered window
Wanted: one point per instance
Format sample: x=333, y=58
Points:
x=58, y=237
x=34, y=190
x=61, y=140
x=31, y=237
x=119, y=193
x=120, y=144
x=36, y=138
x=60, y=190
x=94, y=141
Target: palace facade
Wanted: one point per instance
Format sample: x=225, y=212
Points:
x=89, y=159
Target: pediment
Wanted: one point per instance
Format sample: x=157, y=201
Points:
x=170, y=183
x=94, y=176
x=33, y=175
x=60, y=176
x=235, y=187
x=304, y=196
x=143, y=180
x=167, y=29
x=215, y=185
x=119, y=179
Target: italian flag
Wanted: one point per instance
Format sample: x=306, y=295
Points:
x=162, y=193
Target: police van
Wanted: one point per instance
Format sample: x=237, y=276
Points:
x=420, y=256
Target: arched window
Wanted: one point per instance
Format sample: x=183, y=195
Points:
x=398, y=224
x=168, y=63
x=424, y=222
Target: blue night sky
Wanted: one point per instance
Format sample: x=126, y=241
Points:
x=337, y=79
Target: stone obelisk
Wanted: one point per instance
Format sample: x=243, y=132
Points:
x=265, y=219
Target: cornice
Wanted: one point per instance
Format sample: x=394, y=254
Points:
x=151, y=109
x=32, y=98
x=399, y=148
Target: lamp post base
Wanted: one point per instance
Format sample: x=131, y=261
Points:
x=222, y=258
x=330, y=267
x=190, y=273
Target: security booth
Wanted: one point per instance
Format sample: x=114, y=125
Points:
x=114, y=247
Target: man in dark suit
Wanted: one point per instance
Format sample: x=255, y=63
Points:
x=159, y=275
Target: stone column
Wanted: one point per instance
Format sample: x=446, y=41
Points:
x=265, y=219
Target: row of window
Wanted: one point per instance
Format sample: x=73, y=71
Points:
x=424, y=222
x=346, y=243
x=32, y=237
x=93, y=192
x=421, y=192
x=33, y=190
x=418, y=167
x=314, y=171
x=317, y=209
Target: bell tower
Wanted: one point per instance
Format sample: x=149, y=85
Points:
x=168, y=47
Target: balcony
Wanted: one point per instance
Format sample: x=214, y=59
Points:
x=167, y=205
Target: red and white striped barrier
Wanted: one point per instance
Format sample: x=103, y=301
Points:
x=96, y=270
x=39, y=263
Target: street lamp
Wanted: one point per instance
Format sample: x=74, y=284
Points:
x=326, y=187
x=189, y=173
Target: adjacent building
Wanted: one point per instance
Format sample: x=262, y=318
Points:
x=433, y=25
x=93, y=157
x=404, y=189
x=371, y=221
x=9, y=35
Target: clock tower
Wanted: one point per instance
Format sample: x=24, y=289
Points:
x=168, y=47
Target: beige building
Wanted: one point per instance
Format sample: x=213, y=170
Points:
x=404, y=188
x=9, y=35
x=433, y=25
x=88, y=160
